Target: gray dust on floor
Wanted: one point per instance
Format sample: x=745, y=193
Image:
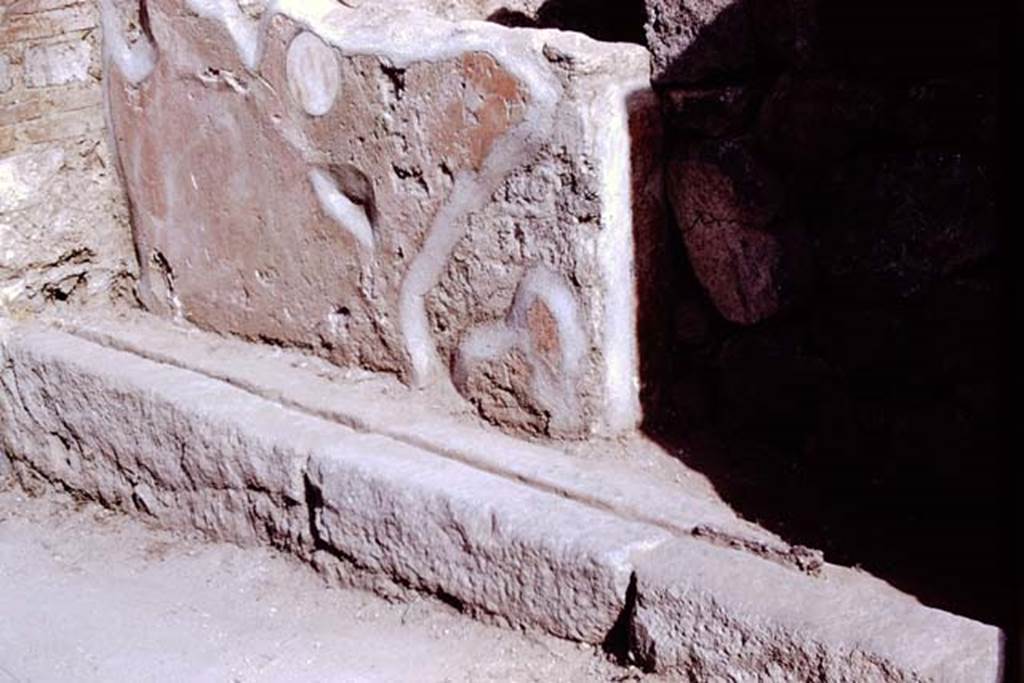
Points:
x=89, y=595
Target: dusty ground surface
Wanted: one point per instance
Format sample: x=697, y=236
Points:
x=87, y=595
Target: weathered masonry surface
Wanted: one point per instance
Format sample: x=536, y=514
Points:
x=254, y=458
x=64, y=234
x=450, y=202
x=441, y=286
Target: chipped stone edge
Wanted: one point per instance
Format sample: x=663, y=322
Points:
x=194, y=453
x=604, y=486
x=759, y=622
x=639, y=571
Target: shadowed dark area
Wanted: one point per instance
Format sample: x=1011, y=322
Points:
x=621, y=21
x=862, y=417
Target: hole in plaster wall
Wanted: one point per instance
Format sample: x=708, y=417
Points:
x=64, y=289
x=346, y=195
x=619, y=22
x=357, y=186
x=128, y=38
x=160, y=261
x=144, y=21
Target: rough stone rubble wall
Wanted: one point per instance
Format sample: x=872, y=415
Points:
x=64, y=235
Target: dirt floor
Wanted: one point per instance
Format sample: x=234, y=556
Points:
x=88, y=595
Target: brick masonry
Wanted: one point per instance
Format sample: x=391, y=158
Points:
x=64, y=232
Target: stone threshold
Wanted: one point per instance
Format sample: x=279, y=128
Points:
x=377, y=487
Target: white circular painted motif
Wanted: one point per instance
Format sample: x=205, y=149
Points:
x=314, y=77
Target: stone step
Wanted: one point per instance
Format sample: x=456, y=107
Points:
x=247, y=457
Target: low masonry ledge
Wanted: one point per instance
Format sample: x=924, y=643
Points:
x=257, y=446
